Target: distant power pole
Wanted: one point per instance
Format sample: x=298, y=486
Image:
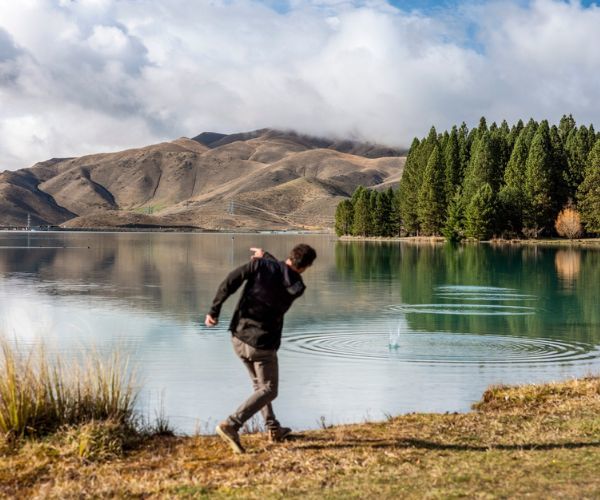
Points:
x=28, y=222
x=231, y=209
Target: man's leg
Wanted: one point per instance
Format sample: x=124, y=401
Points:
x=258, y=382
x=264, y=371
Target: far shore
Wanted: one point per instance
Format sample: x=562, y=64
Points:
x=162, y=229
x=499, y=242
x=435, y=240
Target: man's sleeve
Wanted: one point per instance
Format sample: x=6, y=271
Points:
x=269, y=256
x=230, y=285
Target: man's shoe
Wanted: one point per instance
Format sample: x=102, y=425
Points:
x=230, y=434
x=278, y=434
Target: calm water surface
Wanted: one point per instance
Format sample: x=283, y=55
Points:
x=383, y=327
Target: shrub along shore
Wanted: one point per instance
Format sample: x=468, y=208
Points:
x=537, y=440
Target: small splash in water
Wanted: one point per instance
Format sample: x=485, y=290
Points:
x=394, y=340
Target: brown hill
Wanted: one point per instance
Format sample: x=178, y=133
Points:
x=262, y=179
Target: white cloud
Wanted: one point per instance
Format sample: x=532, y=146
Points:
x=83, y=76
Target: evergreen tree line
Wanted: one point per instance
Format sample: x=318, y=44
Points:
x=369, y=213
x=489, y=181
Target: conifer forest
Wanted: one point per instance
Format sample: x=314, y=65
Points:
x=526, y=181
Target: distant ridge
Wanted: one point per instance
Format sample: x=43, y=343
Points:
x=209, y=138
x=366, y=149
x=263, y=179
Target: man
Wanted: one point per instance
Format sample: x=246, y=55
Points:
x=271, y=288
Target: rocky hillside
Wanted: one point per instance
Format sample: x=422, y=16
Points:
x=264, y=179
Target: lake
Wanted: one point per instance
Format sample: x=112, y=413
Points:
x=383, y=328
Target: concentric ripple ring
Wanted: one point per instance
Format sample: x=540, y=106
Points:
x=462, y=309
x=439, y=347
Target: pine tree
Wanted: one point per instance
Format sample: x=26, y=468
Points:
x=479, y=214
x=344, y=214
x=588, y=194
x=425, y=151
x=454, y=227
x=577, y=148
x=408, y=190
x=539, y=182
x=357, y=194
x=396, y=217
x=501, y=144
x=443, y=141
x=381, y=214
x=483, y=168
x=565, y=126
x=387, y=201
x=560, y=192
x=482, y=125
x=504, y=128
x=475, y=134
x=463, y=149
x=512, y=194
x=374, y=224
x=591, y=137
x=530, y=130
x=452, y=160
x=515, y=132
x=432, y=198
x=362, y=214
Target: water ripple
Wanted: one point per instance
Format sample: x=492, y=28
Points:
x=462, y=309
x=438, y=347
x=481, y=293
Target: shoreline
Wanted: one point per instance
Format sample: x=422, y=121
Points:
x=417, y=240
x=169, y=230
x=532, y=440
x=436, y=240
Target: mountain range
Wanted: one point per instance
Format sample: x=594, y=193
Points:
x=265, y=179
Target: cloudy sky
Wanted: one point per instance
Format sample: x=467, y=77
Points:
x=85, y=76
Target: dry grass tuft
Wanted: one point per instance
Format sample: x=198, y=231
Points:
x=540, y=397
x=96, y=441
x=38, y=395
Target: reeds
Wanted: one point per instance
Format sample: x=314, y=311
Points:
x=39, y=395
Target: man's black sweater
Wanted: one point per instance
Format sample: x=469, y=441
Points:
x=271, y=287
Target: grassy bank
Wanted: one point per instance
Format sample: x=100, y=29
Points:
x=539, y=441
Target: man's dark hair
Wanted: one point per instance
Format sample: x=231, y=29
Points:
x=302, y=256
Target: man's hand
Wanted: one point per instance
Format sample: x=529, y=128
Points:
x=259, y=253
x=210, y=321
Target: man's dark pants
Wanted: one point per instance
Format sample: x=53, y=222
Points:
x=263, y=368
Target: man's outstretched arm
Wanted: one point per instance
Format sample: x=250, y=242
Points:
x=228, y=287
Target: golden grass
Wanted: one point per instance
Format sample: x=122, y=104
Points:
x=40, y=395
x=532, y=441
x=552, y=397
